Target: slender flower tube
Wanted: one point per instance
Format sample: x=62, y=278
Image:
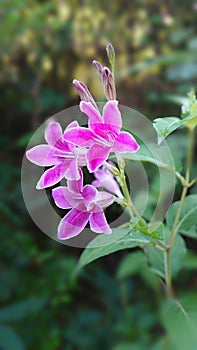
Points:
x=86, y=204
x=106, y=180
x=62, y=155
x=103, y=134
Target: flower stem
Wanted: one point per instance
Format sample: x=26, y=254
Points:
x=127, y=196
x=185, y=188
x=168, y=275
x=186, y=185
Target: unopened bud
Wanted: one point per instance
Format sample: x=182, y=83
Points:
x=108, y=84
x=111, y=55
x=83, y=92
x=98, y=66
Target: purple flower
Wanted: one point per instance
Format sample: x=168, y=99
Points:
x=103, y=135
x=64, y=156
x=105, y=179
x=86, y=204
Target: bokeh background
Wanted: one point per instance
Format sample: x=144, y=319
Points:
x=45, y=45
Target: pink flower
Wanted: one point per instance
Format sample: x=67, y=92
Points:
x=103, y=135
x=62, y=155
x=86, y=204
x=106, y=180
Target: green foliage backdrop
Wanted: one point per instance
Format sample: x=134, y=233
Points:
x=44, y=45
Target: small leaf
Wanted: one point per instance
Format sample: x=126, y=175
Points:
x=187, y=223
x=165, y=126
x=9, y=339
x=180, y=322
x=102, y=245
x=19, y=310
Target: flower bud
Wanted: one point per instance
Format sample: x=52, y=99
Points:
x=111, y=55
x=83, y=92
x=108, y=84
x=98, y=66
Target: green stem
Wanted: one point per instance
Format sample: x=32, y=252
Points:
x=185, y=188
x=168, y=275
x=130, y=205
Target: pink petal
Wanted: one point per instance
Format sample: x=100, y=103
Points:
x=98, y=223
x=104, y=199
x=80, y=136
x=72, y=125
x=96, y=183
x=72, y=224
x=71, y=169
x=125, y=143
x=76, y=185
x=51, y=177
x=53, y=133
x=42, y=155
x=92, y=113
x=60, y=196
x=112, y=116
x=96, y=156
x=89, y=193
x=64, y=198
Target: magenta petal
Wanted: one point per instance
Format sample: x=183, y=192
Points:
x=51, y=177
x=53, y=133
x=89, y=193
x=76, y=185
x=41, y=155
x=92, y=113
x=112, y=116
x=98, y=223
x=72, y=224
x=60, y=196
x=80, y=136
x=65, y=198
x=96, y=156
x=125, y=143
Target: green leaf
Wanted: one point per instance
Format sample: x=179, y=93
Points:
x=19, y=310
x=145, y=154
x=136, y=262
x=187, y=223
x=156, y=155
x=157, y=258
x=9, y=340
x=189, y=110
x=165, y=126
x=131, y=264
x=190, y=261
x=180, y=322
x=102, y=245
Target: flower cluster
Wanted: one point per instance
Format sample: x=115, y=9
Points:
x=66, y=153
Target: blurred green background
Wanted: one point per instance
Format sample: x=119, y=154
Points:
x=44, y=46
